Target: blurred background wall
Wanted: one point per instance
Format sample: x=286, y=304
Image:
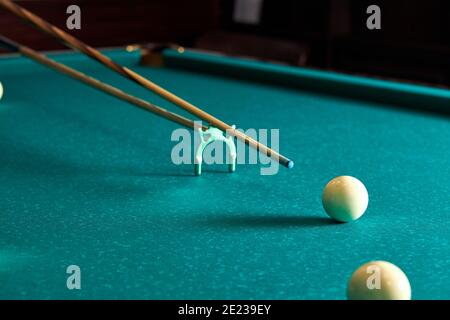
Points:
x=413, y=44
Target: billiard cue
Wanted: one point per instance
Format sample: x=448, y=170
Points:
x=76, y=44
x=97, y=84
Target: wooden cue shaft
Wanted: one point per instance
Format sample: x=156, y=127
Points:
x=40, y=58
x=97, y=55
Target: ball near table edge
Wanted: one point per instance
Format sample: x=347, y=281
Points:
x=379, y=280
x=345, y=198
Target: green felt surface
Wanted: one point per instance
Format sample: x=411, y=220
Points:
x=87, y=180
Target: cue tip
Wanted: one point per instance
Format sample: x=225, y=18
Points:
x=290, y=164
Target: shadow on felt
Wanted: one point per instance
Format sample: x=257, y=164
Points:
x=57, y=173
x=270, y=221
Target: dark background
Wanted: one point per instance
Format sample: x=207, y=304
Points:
x=413, y=44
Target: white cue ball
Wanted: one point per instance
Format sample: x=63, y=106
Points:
x=1, y=91
x=345, y=198
x=379, y=280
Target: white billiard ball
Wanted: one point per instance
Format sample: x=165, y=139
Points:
x=345, y=198
x=379, y=280
x=1, y=91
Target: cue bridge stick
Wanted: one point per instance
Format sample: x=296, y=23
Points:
x=42, y=59
x=76, y=44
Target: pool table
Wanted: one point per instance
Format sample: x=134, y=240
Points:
x=87, y=180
